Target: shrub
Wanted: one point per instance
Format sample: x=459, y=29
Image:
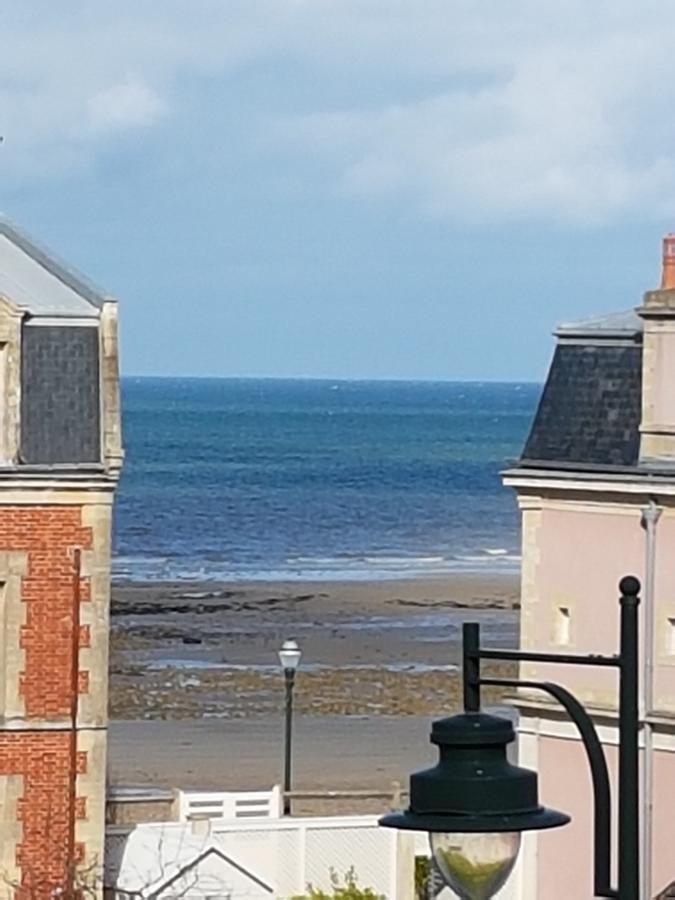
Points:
x=422, y=873
x=349, y=889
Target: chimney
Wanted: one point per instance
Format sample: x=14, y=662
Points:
x=668, y=270
x=657, y=429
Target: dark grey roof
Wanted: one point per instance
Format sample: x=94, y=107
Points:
x=590, y=409
x=35, y=279
x=626, y=324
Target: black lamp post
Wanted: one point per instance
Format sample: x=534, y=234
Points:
x=475, y=804
x=289, y=657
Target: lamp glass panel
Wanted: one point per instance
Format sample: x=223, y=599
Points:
x=475, y=866
x=289, y=655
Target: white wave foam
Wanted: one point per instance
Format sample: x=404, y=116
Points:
x=205, y=665
x=367, y=567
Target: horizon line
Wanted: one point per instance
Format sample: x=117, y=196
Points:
x=327, y=378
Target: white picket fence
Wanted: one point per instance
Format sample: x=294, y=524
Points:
x=249, y=859
x=229, y=804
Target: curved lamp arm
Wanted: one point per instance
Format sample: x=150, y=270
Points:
x=600, y=777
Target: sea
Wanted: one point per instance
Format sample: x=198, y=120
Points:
x=304, y=480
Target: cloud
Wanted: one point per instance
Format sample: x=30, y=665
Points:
x=129, y=104
x=468, y=110
x=575, y=125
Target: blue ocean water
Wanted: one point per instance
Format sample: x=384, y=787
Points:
x=266, y=479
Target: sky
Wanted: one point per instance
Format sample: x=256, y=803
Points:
x=344, y=188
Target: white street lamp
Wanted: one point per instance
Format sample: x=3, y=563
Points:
x=289, y=657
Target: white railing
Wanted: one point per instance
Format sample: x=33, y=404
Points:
x=229, y=804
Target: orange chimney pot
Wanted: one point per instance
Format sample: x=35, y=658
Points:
x=668, y=272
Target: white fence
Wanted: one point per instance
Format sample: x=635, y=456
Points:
x=252, y=860
x=229, y=804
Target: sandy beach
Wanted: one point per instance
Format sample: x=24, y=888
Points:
x=196, y=691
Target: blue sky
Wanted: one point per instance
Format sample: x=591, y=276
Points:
x=337, y=188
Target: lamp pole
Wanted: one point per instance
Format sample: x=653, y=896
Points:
x=473, y=794
x=289, y=657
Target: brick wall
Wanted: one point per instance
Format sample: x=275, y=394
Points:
x=45, y=755
x=44, y=761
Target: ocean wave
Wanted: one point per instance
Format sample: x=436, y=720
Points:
x=490, y=557
x=341, y=567
x=358, y=560
x=206, y=664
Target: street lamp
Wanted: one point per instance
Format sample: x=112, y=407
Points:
x=289, y=657
x=475, y=804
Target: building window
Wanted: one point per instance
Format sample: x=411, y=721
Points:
x=670, y=636
x=562, y=630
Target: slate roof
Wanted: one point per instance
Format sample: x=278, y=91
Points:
x=590, y=408
x=34, y=278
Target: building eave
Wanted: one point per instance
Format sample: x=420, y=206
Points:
x=39, y=484
x=547, y=710
x=624, y=481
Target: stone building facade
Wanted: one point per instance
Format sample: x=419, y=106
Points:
x=60, y=458
x=596, y=488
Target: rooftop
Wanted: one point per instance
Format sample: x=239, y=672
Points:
x=625, y=324
x=36, y=280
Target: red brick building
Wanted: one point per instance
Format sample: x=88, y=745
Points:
x=60, y=457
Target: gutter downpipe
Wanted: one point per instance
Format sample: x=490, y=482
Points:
x=651, y=514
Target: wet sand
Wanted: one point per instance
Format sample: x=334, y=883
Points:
x=195, y=679
x=330, y=753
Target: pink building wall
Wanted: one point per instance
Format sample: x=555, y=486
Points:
x=663, y=857
x=565, y=864
x=582, y=505
x=565, y=855
x=575, y=552
x=582, y=557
